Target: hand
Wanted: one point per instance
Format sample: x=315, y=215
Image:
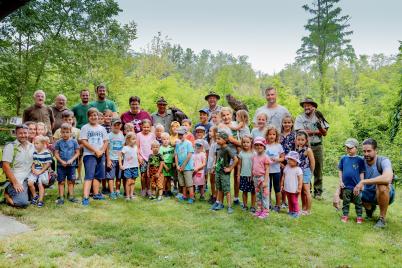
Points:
x=36, y=173
x=98, y=153
x=121, y=167
x=265, y=184
x=179, y=169
x=18, y=187
x=63, y=163
x=140, y=160
x=213, y=170
x=341, y=184
x=167, y=169
x=157, y=174
x=282, y=188
x=358, y=188
x=148, y=175
x=109, y=163
x=70, y=162
x=227, y=169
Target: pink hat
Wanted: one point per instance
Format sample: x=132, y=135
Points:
x=293, y=155
x=259, y=140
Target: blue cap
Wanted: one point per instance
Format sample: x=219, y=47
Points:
x=204, y=110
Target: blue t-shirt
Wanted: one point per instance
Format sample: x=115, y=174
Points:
x=372, y=172
x=273, y=151
x=66, y=148
x=351, y=167
x=181, y=150
x=116, y=143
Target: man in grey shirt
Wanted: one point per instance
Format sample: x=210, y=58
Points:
x=163, y=116
x=273, y=110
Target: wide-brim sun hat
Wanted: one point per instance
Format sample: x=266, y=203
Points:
x=293, y=155
x=308, y=100
x=212, y=94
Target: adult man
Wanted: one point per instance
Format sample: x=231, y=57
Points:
x=163, y=116
x=39, y=112
x=80, y=110
x=316, y=127
x=135, y=115
x=212, y=99
x=17, y=163
x=58, y=108
x=378, y=189
x=102, y=103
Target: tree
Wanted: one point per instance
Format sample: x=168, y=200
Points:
x=397, y=111
x=327, y=39
x=56, y=37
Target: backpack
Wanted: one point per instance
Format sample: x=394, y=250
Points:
x=3, y=178
x=395, y=179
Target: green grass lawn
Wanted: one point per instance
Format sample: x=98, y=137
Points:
x=164, y=234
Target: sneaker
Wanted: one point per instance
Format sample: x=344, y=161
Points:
x=35, y=200
x=230, y=210
x=190, y=201
x=60, y=201
x=262, y=215
x=118, y=195
x=159, y=198
x=370, y=212
x=211, y=200
x=276, y=209
x=257, y=213
x=202, y=198
x=85, y=201
x=344, y=219
x=305, y=213
x=243, y=207
x=40, y=204
x=295, y=215
x=127, y=198
x=98, y=197
x=214, y=206
x=73, y=199
x=284, y=205
x=236, y=202
x=169, y=194
x=132, y=197
x=143, y=193
x=380, y=223
x=149, y=193
x=179, y=195
x=359, y=220
x=152, y=197
x=318, y=197
x=113, y=196
x=252, y=209
x=182, y=198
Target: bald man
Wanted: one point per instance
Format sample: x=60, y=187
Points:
x=59, y=106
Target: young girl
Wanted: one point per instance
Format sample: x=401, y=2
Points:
x=159, y=129
x=261, y=128
x=173, y=134
x=213, y=131
x=167, y=153
x=41, y=129
x=200, y=159
x=291, y=182
x=128, y=162
x=154, y=172
x=260, y=172
x=144, y=141
x=275, y=152
x=307, y=164
x=245, y=173
x=128, y=127
x=215, y=118
x=242, y=124
x=107, y=120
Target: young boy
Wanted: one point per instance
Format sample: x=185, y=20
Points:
x=184, y=165
x=95, y=140
x=39, y=170
x=159, y=129
x=188, y=136
x=167, y=153
x=66, y=152
x=68, y=117
x=107, y=120
x=222, y=172
x=116, y=143
x=351, y=171
x=204, y=116
x=154, y=171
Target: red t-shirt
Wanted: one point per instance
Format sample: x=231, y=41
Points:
x=135, y=119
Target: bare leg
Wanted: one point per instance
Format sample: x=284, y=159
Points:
x=41, y=191
x=70, y=185
x=96, y=184
x=383, y=199
x=253, y=199
x=32, y=189
x=245, y=197
x=228, y=199
x=61, y=189
x=87, y=187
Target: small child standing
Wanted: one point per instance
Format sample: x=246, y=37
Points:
x=128, y=127
x=39, y=170
x=351, y=172
x=261, y=129
x=200, y=161
x=260, y=171
x=292, y=182
x=173, y=133
x=204, y=114
x=188, y=125
x=128, y=162
x=245, y=174
x=159, y=129
x=242, y=124
x=107, y=120
x=68, y=117
x=154, y=172
x=213, y=146
x=167, y=153
x=66, y=152
x=226, y=161
x=144, y=141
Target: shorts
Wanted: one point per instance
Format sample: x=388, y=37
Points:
x=156, y=181
x=222, y=182
x=169, y=173
x=94, y=167
x=275, y=179
x=114, y=171
x=246, y=184
x=185, y=178
x=144, y=167
x=67, y=172
x=370, y=196
x=40, y=179
x=306, y=176
x=131, y=173
x=19, y=199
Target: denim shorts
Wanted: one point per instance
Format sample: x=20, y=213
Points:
x=131, y=173
x=370, y=196
x=67, y=172
x=94, y=167
x=113, y=171
x=306, y=175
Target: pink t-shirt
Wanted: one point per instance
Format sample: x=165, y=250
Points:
x=144, y=143
x=198, y=178
x=291, y=182
x=259, y=162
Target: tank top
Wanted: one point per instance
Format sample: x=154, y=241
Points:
x=304, y=161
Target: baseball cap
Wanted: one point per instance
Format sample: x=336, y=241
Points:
x=116, y=120
x=259, y=140
x=351, y=142
x=181, y=130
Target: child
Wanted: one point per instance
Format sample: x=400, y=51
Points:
x=185, y=166
x=307, y=164
x=154, y=172
x=200, y=161
x=167, y=153
x=41, y=129
x=159, y=129
x=130, y=165
x=68, y=117
x=351, y=172
x=101, y=118
x=66, y=152
x=275, y=152
x=107, y=120
x=204, y=114
x=200, y=135
x=39, y=170
x=116, y=143
x=128, y=127
x=144, y=141
x=188, y=136
x=242, y=123
x=215, y=118
x=95, y=140
x=244, y=174
x=292, y=181
x=211, y=162
x=260, y=172
x=173, y=133
x=261, y=129
x=225, y=156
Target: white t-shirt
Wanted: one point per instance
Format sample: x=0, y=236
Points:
x=95, y=135
x=273, y=151
x=275, y=115
x=291, y=182
x=130, y=157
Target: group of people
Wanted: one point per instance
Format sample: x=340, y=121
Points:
x=174, y=157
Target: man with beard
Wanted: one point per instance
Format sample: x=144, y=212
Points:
x=272, y=109
x=102, y=103
x=135, y=115
x=378, y=189
x=80, y=110
x=212, y=99
x=58, y=108
x=315, y=125
x=163, y=116
x=39, y=112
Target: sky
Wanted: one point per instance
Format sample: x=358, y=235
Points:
x=269, y=32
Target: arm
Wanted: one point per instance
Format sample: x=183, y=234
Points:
x=58, y=158
x=75, y=156
x=340, y=174
x=300, y=182
x=311, y=158
x=239, y=126
x=45, y=167
x=230, y=168
x=384, y=179
x=176, y=161
x=183, y=165
x=11, y=178
x=239, y=167
x=266, y=176
x=86, y=144
x=162, y=164
x=234, y=141
x=121, y=160
x=282, y=181
x=281, y=157
x=108, y=160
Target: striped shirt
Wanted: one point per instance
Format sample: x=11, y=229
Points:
x=40, y=159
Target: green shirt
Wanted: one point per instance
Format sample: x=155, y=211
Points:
x=104, y=105
x=167, y=153
x=80, y=113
